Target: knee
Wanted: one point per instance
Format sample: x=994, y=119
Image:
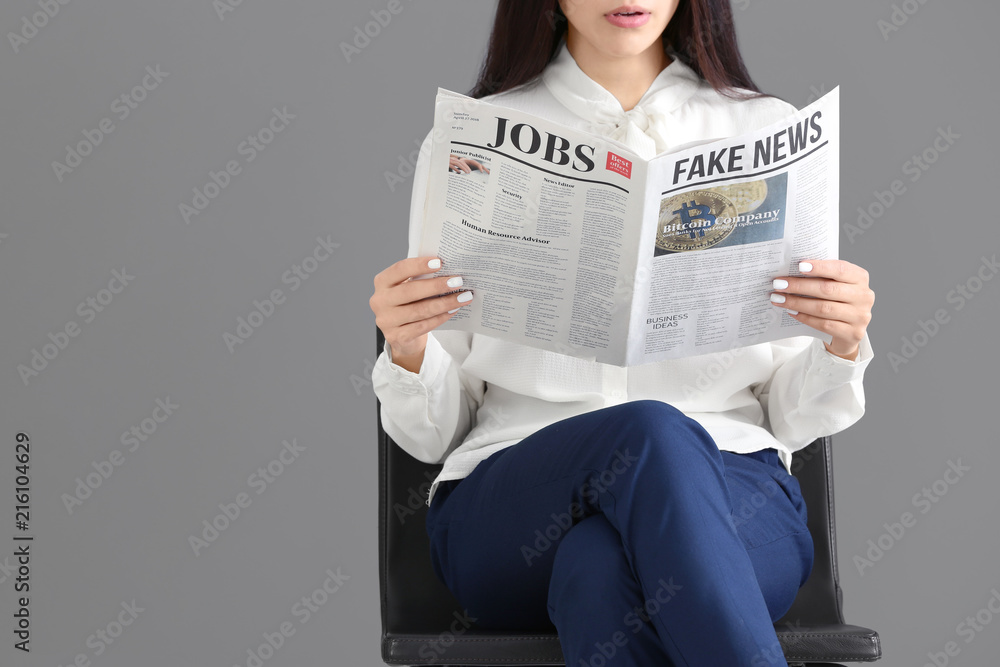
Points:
x=648, y=409
x=590, y=567
x=663, y=428
x=653, y=417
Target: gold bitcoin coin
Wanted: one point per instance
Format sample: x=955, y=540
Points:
x=695, y=221
x=746, y=197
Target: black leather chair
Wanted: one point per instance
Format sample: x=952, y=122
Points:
x=423, y=623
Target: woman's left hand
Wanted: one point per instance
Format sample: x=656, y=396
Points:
x=834, y=298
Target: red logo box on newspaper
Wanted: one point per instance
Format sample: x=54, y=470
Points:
x=620, y=165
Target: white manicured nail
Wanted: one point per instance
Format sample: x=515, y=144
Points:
x=434, y=264
x=455, y=282
x=805, y=267
x=792, y=312
x=453, y=310
x=779, y=283
x=465, y=296
x=778, y=298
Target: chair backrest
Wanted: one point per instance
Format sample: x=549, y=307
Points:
x=415, y=602
x=820, y=600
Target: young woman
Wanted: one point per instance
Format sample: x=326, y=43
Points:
x=646, y=514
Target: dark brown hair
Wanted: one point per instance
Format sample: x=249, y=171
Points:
x=526, y=35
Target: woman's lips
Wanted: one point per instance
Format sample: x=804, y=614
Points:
x=628, y=17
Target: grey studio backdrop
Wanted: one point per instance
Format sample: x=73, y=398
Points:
x=202, y=476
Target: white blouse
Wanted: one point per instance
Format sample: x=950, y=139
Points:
x=475, y=395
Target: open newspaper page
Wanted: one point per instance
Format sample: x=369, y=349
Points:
x=534, y=217
x=721, y=221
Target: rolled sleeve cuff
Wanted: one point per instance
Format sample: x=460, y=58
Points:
x=409, y=382
x=837, y=369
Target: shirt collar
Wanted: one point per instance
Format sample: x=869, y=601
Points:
x=646, y=128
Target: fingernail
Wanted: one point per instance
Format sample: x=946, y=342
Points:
x=455, y=282
x=434, y=264
x=465, y=296
x=453, y=310
x=805, y=267
x=792, y=312
x=779, y=283
x=778, y=298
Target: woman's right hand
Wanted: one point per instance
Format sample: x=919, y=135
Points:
x=406, y=309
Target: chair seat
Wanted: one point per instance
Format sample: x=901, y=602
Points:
x=475, y=647
x=820, y=643
x=817, y=643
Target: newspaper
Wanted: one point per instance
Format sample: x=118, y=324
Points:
x=573, y=243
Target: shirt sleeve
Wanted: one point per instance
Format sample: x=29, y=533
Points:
x=812, y=393
x=427, y=413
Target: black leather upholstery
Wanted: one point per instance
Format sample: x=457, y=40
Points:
x=423, y=624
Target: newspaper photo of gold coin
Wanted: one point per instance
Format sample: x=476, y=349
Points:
x=747, y=197
x=695, y=221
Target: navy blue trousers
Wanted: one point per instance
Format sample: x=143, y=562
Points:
x=630, y=534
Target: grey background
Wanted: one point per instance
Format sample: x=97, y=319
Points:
x=304, y=373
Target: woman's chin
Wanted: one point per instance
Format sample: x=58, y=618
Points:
x=622, y=46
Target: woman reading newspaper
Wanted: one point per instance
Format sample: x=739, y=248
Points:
x=647, y=512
